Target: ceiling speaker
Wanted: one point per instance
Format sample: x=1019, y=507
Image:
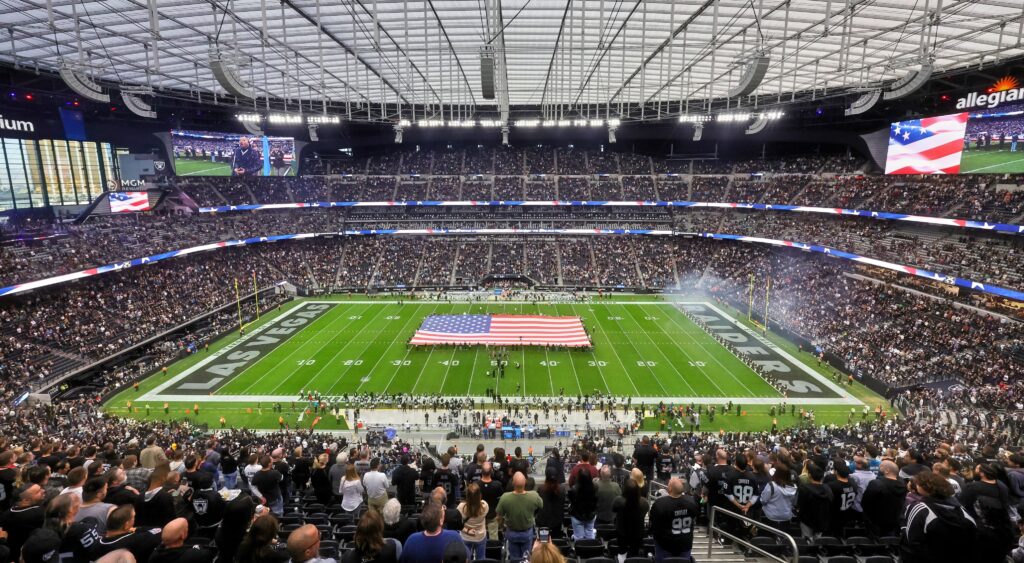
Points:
x=866, y=101
x=228, y=78
x=487, y=73
x=83, y=85
x=752, y=76
x=909, y=83
x=137, y=106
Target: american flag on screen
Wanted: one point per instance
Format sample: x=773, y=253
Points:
x=122, y=202
x=932, y=145
x=502, y=330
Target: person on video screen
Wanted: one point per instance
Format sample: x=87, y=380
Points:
x=278, y=165
x=246, y=160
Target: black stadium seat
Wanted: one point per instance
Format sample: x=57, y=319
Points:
x=585, y=549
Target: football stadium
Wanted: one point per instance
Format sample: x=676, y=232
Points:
x=532, y=281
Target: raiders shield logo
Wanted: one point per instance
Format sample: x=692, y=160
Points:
x=159, y=165
x=200, y=504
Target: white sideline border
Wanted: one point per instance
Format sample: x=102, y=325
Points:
x=846, y=399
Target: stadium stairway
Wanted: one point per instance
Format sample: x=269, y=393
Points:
x=719, y=553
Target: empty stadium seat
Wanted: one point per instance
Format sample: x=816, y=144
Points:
x=586, y=549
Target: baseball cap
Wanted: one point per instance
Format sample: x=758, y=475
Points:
x=42, y=546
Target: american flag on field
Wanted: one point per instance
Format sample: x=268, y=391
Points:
x=932, y=145
x=122, y=202
x=502, y=330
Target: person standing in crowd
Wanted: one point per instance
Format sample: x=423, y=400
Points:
x=404, y=478
x=937, y=528
x=583, y=507
x=352, y=490
x=630, y=511
x=268, y=483
x=320, y=479
x=337, y=473
x=246, y=160
x=77, y=538
x=644, y=457
x=376, y=484
x=607, y=492
x=718, y=481
x=474, y=517
x=25, y=514
x=778, y=499
x=429, y=545
x=491, y=491
x=260, y=543
x=397, y=525
x=370, y=545
x=122, y=534
x=93, y=493
x=516, y=512
x=814, y=502
x=844, y=493
x=987, y=501
x=553, y=494
x=673, y=517
x=883, y=501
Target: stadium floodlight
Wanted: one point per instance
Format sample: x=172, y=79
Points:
x=694, y=118
x=752, y=76
x=866, y=101
x=771, y=115
x=137, y=105
x=491, y=123
x=549, y=123
x=249, y=117
x=909, y=84
x=463, y=123
x=565, y=123
x=580, y=122
x=527, y=123
x=284, y=119
x=430, y=123
x=404, y=123
x=613, y=123
x=732, y=117
x=596, y=122
x=323, y=120
x=82, y=85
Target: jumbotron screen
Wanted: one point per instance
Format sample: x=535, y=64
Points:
x=988, y=142
x=211, y=153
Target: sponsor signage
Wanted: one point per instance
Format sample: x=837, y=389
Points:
x=1006, y=89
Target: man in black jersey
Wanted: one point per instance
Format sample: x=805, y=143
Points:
x=742, y=489
x=844, y=492
x=121, y=534
x=665, y=464
x=447, y=480
x=718, y=481
x=25, y=515
x=672, y=520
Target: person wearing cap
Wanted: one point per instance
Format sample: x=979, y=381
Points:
x=122, y=534
x=172, y=546
x=24, y=515
x=93, y=494
x=42, y=546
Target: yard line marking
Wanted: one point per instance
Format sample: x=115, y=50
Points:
x=576, y=374
x=663, y=355
x=716, y=360
x=407, y=352
x=333, y=356
x=625, y=370
x=402, y=330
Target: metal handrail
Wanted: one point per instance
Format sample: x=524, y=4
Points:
x=794, y=558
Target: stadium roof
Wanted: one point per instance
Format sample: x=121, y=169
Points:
x=565, y=57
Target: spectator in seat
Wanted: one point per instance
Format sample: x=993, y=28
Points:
x=396, y=524
x=778, y=498
x=813, y=501
x=583, y=507
x=172, y=547
x=404, y=478
x=672, y=519
x=93, y=493
x=260, y=543
x=320, y=480
x=369, y=543
x=304, y=545
x=429, y=545
x=351, y=490
x=607, y=492
x=474, y=517
x=77, y=537
x=937, y=528
x=517, y=511
x=630, y=511
x=644, y=457
x=122, y=534
x=26, y=514
x=883, y=501
x=552, y=493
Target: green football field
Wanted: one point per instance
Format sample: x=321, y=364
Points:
x=184, y=167
x=993, y=161
x=643, y=347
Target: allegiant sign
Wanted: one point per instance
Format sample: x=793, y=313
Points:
x=1006, y=89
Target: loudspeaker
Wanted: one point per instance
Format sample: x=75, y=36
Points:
x=752, y=76
x=229, y=79
x=137, y=106
x=909, y=83
x=866, y=101
x=83, y=85
x=487, y=74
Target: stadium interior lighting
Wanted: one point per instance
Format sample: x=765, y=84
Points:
x=549, y=123
x=772, y=115
x=596, y=122
x=430, y=123
x=613, y=123
x=464, y=123
x=284, y=119
x=491, y=123
x=404, y=123
x=732, y=117
x=323, y=120
x=565, y=123
x=694, y=118
x=527, y=123
x=249, y=117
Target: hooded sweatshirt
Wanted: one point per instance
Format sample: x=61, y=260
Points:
x=814, y=503
x=778, y=502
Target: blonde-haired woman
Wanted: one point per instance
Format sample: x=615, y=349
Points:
x=352, y=490
x=320, y=480
x=645, y=486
